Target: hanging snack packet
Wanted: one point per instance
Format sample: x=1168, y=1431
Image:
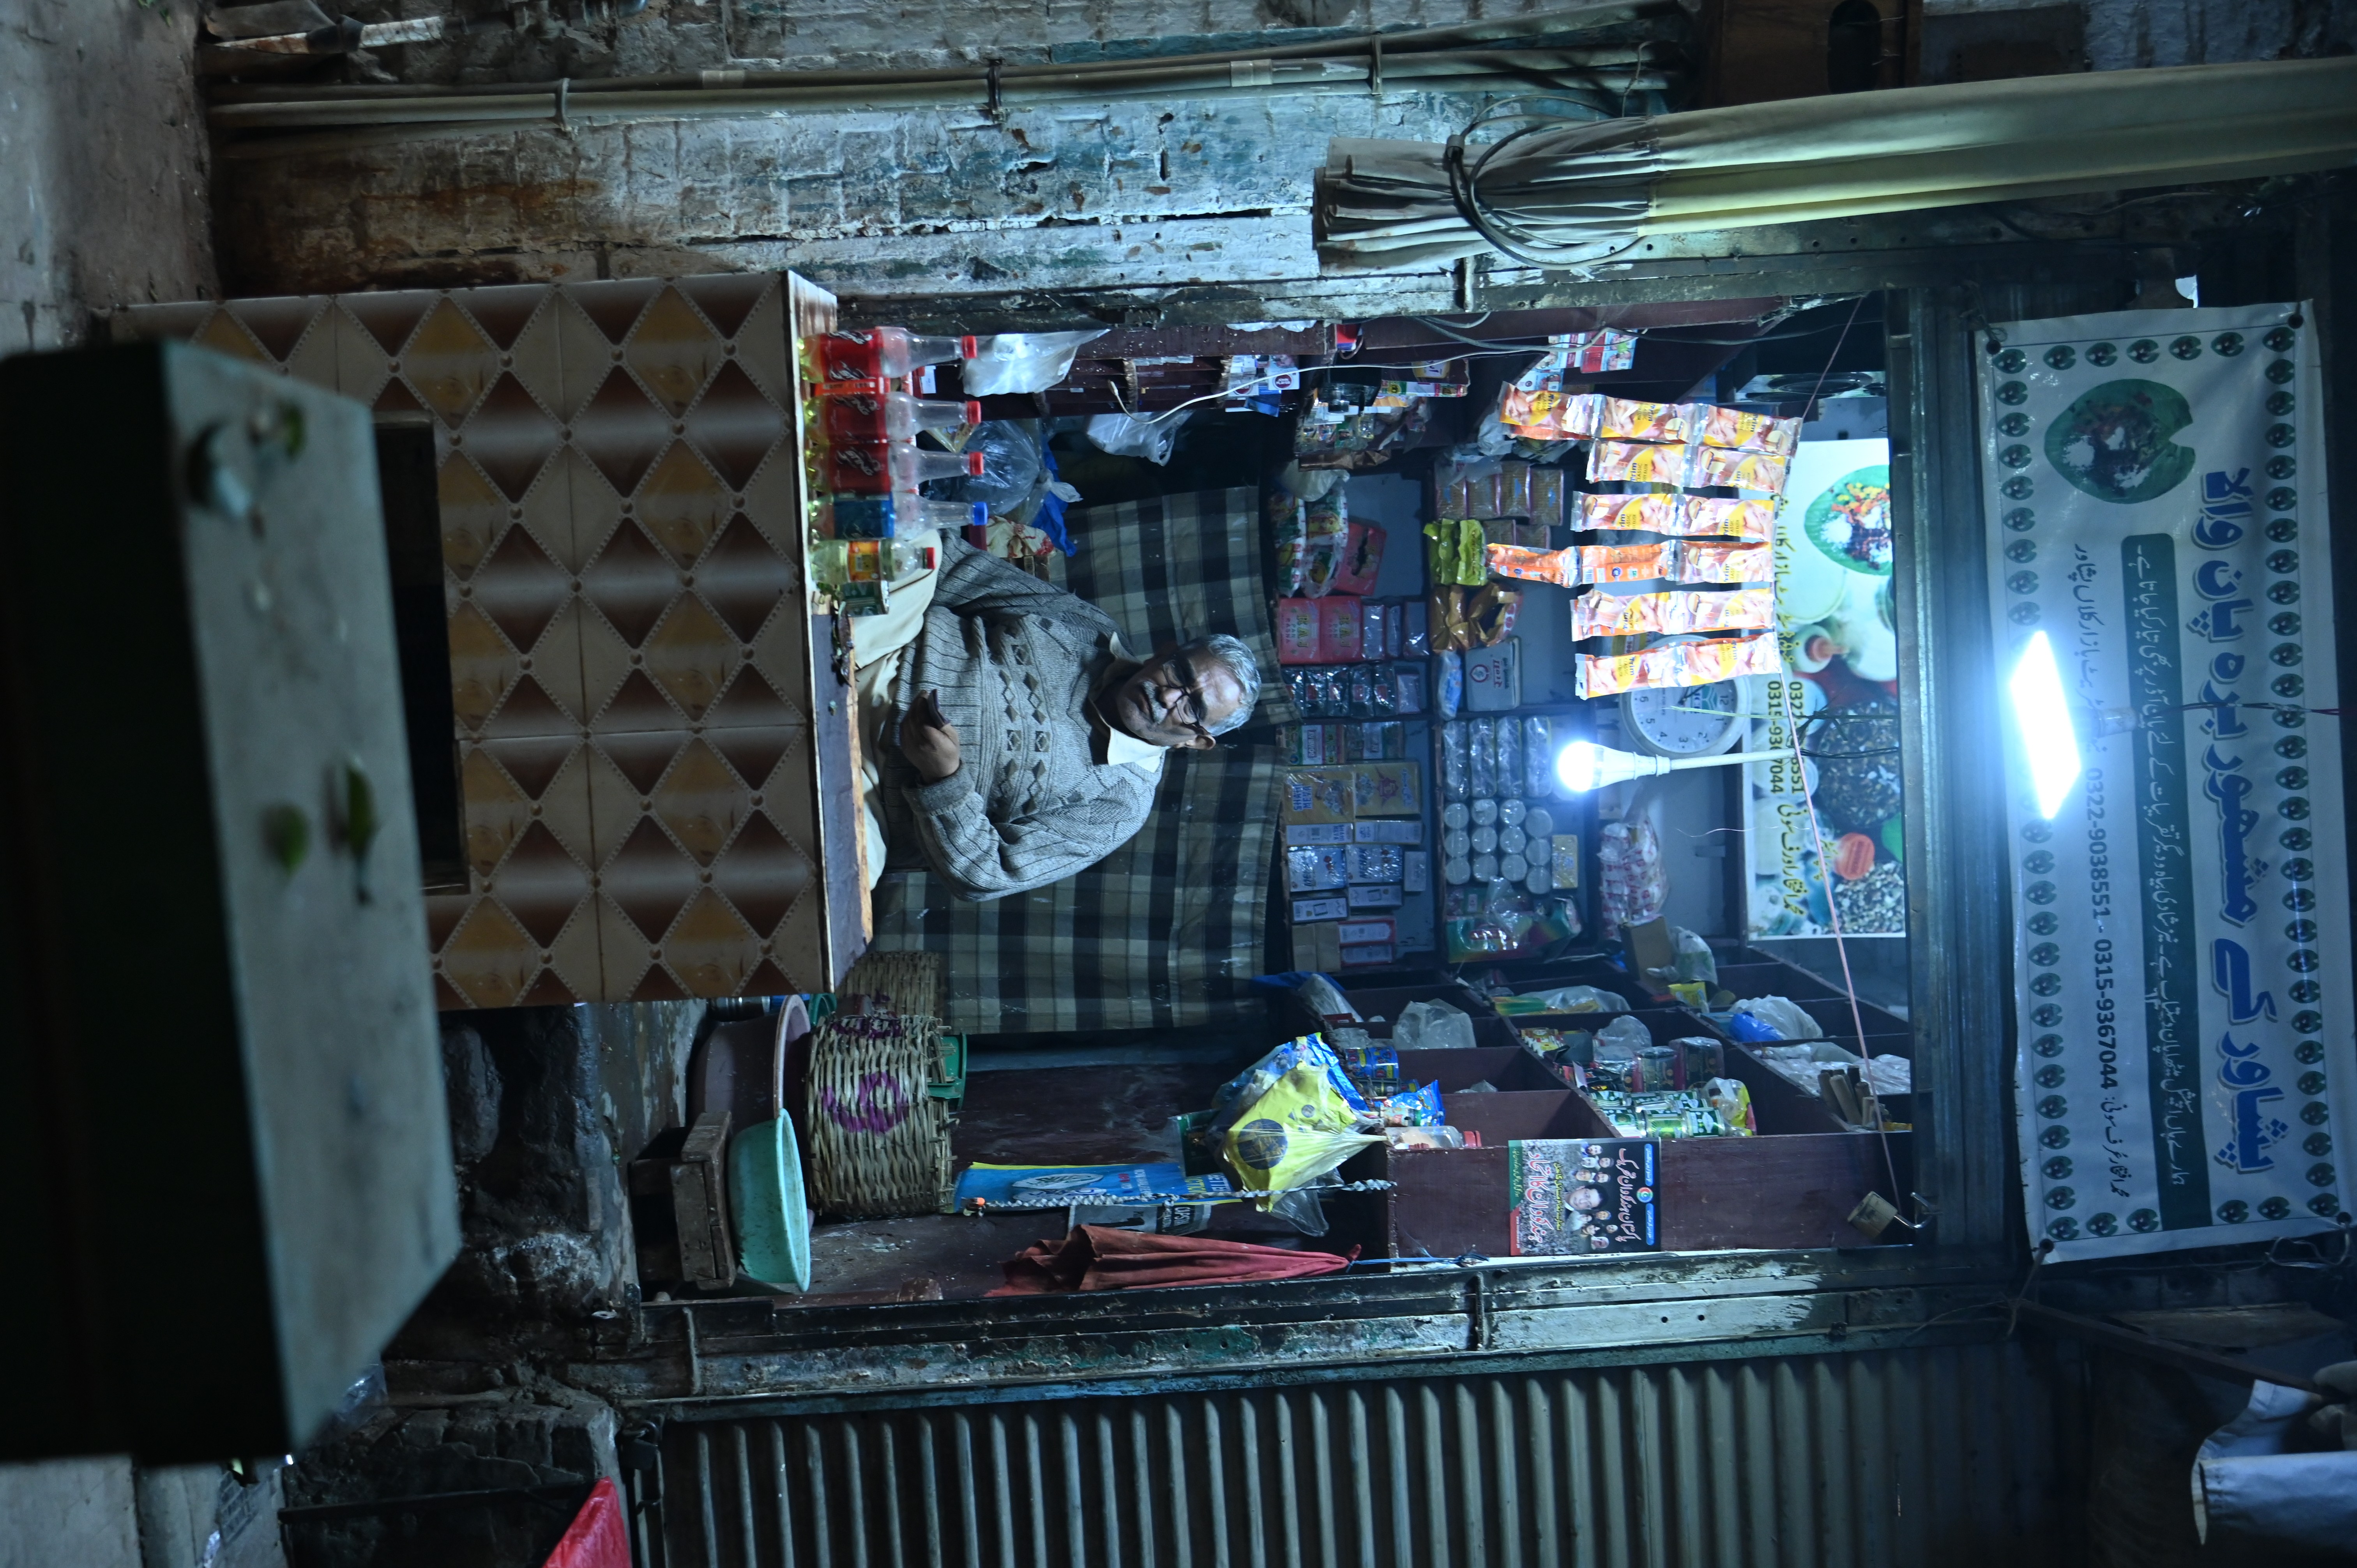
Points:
x=1714, y=561
x=1679, y=515
x=1619, y=615
x=1679, y=664
x=1637, y=462
x=1624, y=421
x=1742, y=432
x=1456, y=552
x=1709, y=466
x=1558, y=566
x=1626, y=563
x=1291, y=1117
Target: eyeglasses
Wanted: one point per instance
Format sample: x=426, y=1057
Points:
x=1191, y=709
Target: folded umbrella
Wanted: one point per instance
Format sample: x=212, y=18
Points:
x=1098, y=1256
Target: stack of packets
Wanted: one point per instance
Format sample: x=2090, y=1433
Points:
x=1353, y=839
x=1670, y=560
x=1556, y=415
x=1412, y=1114
x=1432, y=378
x=1596, y=353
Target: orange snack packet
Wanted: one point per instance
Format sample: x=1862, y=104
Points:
x=1725, y=561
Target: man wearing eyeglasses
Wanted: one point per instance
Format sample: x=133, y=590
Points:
x=1011, y=740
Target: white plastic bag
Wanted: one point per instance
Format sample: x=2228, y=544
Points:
x=1623, y=1039
x=1695, y=961
x=1432, y=1027
x=1786, y=1018
x=1578, y=999
x=1024, y=361
x=1150, y=436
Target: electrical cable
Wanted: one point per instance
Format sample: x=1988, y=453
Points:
x=1655, y=334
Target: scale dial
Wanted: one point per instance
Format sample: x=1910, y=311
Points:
x=1683, y=721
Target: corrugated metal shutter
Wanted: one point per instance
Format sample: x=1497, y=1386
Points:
x=1933, y=1455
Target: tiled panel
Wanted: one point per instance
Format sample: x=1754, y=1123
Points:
x=629, y=635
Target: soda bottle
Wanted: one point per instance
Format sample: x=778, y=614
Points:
x=869, y=560
x=883, y=352
x=871, y=469
x=871, y=412
x=880, y=517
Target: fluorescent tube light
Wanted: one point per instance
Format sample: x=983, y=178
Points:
x=2043, y=715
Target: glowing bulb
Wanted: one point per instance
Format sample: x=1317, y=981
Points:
x=1576, y=766
x=2042, y=713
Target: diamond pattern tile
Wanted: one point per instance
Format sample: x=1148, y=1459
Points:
x=521, y=588
x=449, y=363
x=702, y=803
x=710, y=949
x=682, y=503
x=511, y=437
x=674, y=351
x=692, y=656
x=621, y=431
x=621, y=523
x=734, y=424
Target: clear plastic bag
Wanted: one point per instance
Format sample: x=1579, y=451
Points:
x=1635, y=886
x=1432, y=1027
x=1772, y=1018
x=1150, y=436
x=1013, y=471
x=1623, y=1039
x=1024, y=361
x=1538, y=757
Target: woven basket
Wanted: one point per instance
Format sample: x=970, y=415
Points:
x=905, y=983
x=879, y=1145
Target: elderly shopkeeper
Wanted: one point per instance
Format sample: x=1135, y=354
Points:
x=1009, y=738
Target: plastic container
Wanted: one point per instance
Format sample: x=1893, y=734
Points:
x=885, y=351
x=876, y=470
x=871, y=559
x=767, y=1207
x=871, y=412
x=898, y=512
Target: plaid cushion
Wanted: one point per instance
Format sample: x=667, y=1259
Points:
x=1166, y=932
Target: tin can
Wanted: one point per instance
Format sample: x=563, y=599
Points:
x=1659, y=1066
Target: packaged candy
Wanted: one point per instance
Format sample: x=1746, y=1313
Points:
x=1456, y=765
x=1717, y=561
x=1546, y=415
x=1620, y=419
x=1449, y=694
x=1538, y=755
x=1315, y=869
x=1374, y=895
x=1297, y=631
x=1320, y=795
x=1510, y=758
x=1482, y=757
x=1738, y=470
x=1637, y=462
x=1457, y=552
x=1679, y=664
x=1513, y=490
x=1409, y=681
x=1624, y=562
x=1679, y=515
x=1373, y=862
x=1532, y=565
x=1546, y=497
x=1339, y=637
x=1626, y=614
x=1416, y=640
x=1742, y=432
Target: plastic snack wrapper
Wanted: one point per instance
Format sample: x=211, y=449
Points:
x=1315, y=869
x=1679, y=664
x=1557, y=566
x=1291, y=1118
x=1739, y=431
x=1621, y=420
x=1455, y=766
x=1709, y=466
x=1510, y=753
x=1448, y=694
x=1637, y=462
x=1538, y=755
x=1724, y=561
x=1679, y=515
x=1482, y=756
x=1626, y=614
x=1634, y=885
x=1541, y=414
x=1417, y=1107
x=1457, y=552
x=1626, y=563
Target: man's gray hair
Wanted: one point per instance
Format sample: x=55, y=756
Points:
x=1237, y=655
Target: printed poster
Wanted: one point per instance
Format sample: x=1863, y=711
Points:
x=1840, y=642
x=1582, y=1196
x=2154, y=483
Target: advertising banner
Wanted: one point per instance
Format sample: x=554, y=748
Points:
x=1839, y=700
x=2154, y=485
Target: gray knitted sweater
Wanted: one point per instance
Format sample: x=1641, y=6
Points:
x=1013, y=660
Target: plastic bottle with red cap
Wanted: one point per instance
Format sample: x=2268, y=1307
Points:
x=875, y=468
x=872, y=411
x=897, y=512
x=881, y=354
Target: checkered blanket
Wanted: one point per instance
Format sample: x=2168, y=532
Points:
x=1166, y=930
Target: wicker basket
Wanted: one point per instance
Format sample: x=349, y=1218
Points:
x=880, y=1142
x=905, y=983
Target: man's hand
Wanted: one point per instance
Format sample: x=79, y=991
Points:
x=928, y=740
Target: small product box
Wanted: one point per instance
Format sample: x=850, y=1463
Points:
x=1415, y=871
x=1307, y=909
x=1374, y=895
x=1356, y=932
x=1340, y=634
x=1320, y=795
x=1367, y=955
x=1297, y=631
x=1318, y=870
x=1493, y=677
x=1388, y=830
x=1387, y=790
x=1308, y=834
